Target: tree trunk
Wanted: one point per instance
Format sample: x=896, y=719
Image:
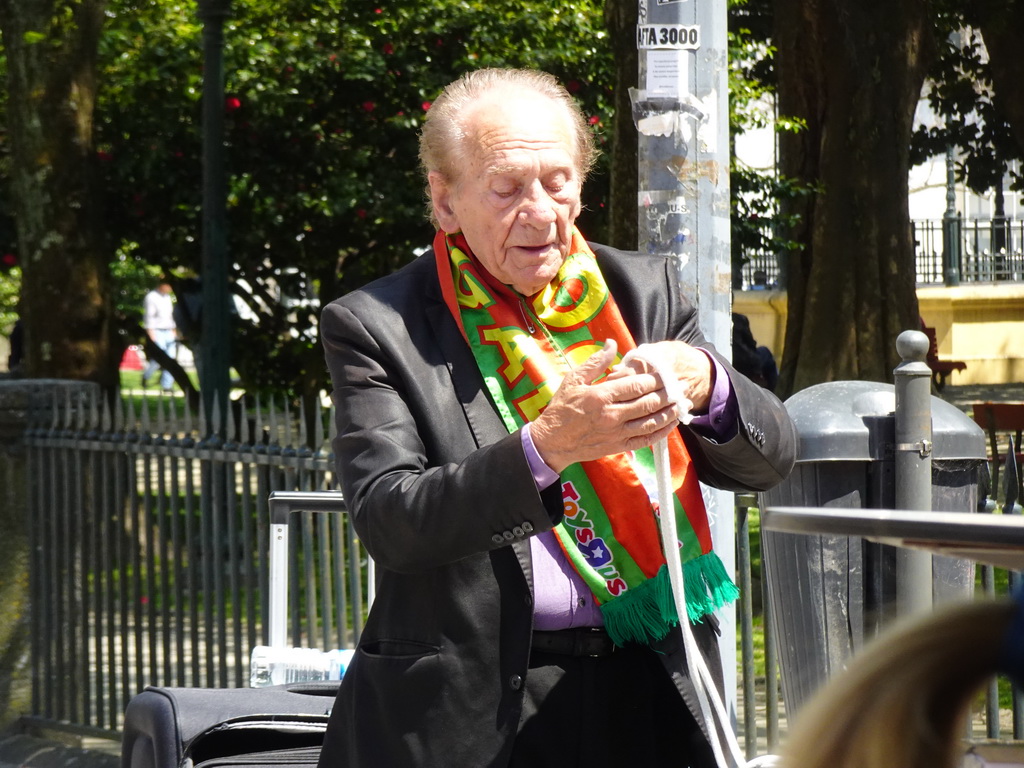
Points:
x=1002, y=27
x=51, y=71
x=620, y=18
x=853, y=72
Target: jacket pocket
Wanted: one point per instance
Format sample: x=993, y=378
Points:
x=387, y=648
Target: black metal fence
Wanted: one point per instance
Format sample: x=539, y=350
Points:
x=987, y=251
x=149, y=541
x=149, y=557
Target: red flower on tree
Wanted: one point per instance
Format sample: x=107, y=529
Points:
x=369, y=106
x=388, y=49
x=231, y=103
x=425, y=105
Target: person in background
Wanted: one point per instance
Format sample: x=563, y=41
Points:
x=494, y=453
x=158, y=320
x=17, y=343
x=751, y=359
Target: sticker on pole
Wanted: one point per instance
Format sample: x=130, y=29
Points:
x=667, y=36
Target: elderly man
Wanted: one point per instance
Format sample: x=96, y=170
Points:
x=494, y=453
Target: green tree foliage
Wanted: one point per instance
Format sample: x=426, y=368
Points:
x=758, y=224
x=1002, y=23
x=323, y=101
x=971, y=114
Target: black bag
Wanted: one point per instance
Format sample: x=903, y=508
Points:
x=281, y=725
x=277, y=726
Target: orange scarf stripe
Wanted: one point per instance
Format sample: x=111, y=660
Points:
x=637, y=533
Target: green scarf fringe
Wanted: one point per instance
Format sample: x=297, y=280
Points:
x=646, y=613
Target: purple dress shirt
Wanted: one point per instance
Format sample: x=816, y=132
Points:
x=561, y=599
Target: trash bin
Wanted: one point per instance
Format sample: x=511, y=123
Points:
x=828, y=595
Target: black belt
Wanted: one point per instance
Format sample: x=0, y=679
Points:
x=582, y=641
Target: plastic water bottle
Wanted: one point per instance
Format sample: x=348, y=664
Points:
x=276, y=666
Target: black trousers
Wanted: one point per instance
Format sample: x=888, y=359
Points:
x=615, y=711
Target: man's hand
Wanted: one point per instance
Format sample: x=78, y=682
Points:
x=692, y=366
x=587, y=419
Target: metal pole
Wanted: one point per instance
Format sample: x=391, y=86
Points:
x=951, y=226
x=743, y=504
x=214, y=349
x=681, y=111
x=913, y=465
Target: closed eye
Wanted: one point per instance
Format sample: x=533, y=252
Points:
x=557, y=183
x=504, y=187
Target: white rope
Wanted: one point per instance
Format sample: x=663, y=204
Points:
x=710, y=702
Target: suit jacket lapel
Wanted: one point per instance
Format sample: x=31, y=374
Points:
x=484, y=421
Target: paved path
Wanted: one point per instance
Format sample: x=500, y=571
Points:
x=962, y=397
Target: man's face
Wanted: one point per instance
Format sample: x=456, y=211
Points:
x=518, y=193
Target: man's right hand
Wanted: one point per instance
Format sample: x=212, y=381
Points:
x=588, y=419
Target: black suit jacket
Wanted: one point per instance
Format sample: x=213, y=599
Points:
x=434, y=481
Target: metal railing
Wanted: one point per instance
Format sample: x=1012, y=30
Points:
x=149, y=547
x=150, y=557
x=150, y=553
x=987, y=251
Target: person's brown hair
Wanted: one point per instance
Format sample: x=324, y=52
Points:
x=904, y=701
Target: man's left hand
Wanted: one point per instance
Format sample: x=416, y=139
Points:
x=692, y=367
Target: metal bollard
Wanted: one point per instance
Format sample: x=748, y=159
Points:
x=913, y=465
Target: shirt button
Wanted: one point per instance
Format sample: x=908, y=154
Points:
x=498, y=538
x=508, y=535
x=515, y=682
x=528, y=526
x=581, y=602
x=519, y=532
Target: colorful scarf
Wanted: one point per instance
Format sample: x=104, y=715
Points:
x=523, y=347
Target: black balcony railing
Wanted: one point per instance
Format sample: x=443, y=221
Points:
x=980, y=251
x=986, y=251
